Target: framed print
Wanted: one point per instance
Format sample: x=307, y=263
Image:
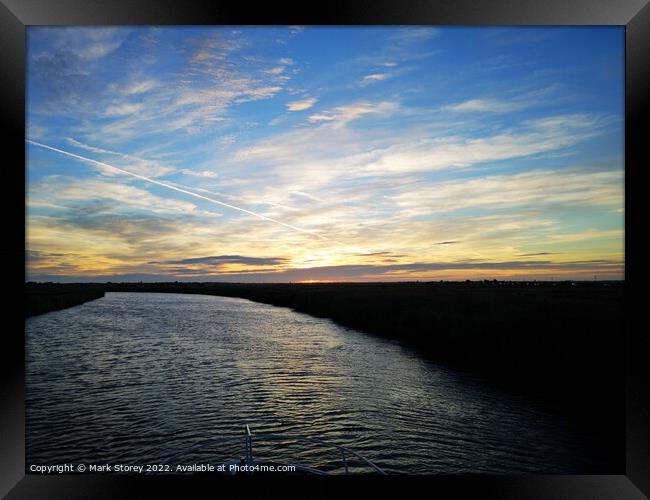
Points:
x=383, y=244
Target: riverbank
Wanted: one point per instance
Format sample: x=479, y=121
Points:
x=43, y=299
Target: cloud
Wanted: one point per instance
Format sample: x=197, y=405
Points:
x=302, y=104
x=447, y=242
x=485, y=105
x=404, y=44
x=375, y=77
x=304, y=160
x=539, y=136
x=419, y=207
x=140, y=87
x=368, y=204
x=122, y=197
x=99, y=50
x=379, y=254
x=200, y=173
x=228, y=259
x=348, y=113
x=133, y=229
x=100, y=243
x=37, y=256
x=589, y=234
x=275, y=71
x=123, y=109
x=90, y=43
x=136, y=164
x=215, y=48
x=414, y=34
x=306, y=195
x=540, y=188
x=79, y=144
x=214, y=77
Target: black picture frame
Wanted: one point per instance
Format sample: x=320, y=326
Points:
x=15, y=15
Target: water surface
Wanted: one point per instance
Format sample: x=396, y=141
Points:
x=140, y=378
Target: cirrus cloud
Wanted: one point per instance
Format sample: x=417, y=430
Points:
x=302, y=104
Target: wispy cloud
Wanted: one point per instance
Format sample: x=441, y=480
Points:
x=580, y=187
x=375, y=77
x=123, y=109
x=70, y=193
x=201, y=173
x=485, y=105
x=302, y=104
x=88, y=43
x=136, y=164
x=215, y=78
x=275, y=71
x=227, y=259
x=140, y=87
x=345, y=114
x=539, y=136
x=306, y=195
x=415, y=34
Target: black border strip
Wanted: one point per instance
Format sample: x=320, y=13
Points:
x=457, y=12
x=634, y=14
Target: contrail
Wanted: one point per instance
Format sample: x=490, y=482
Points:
x=180, y=190
x=263, y=202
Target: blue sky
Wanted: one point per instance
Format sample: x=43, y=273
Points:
x=325, y=153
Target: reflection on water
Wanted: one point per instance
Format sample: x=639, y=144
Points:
x=141, y=378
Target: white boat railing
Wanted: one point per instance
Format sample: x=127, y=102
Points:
x=344, y=451
x=248, y=459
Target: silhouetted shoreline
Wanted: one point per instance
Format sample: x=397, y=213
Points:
x=563, y=340
x=40, y=300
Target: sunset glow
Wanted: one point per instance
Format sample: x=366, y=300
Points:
x=314, y=154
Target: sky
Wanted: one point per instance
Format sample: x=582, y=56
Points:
x=305, y=153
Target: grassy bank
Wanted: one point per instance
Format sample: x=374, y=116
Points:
x=39, y=300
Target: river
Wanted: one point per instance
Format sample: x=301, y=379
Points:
x=141, y=378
